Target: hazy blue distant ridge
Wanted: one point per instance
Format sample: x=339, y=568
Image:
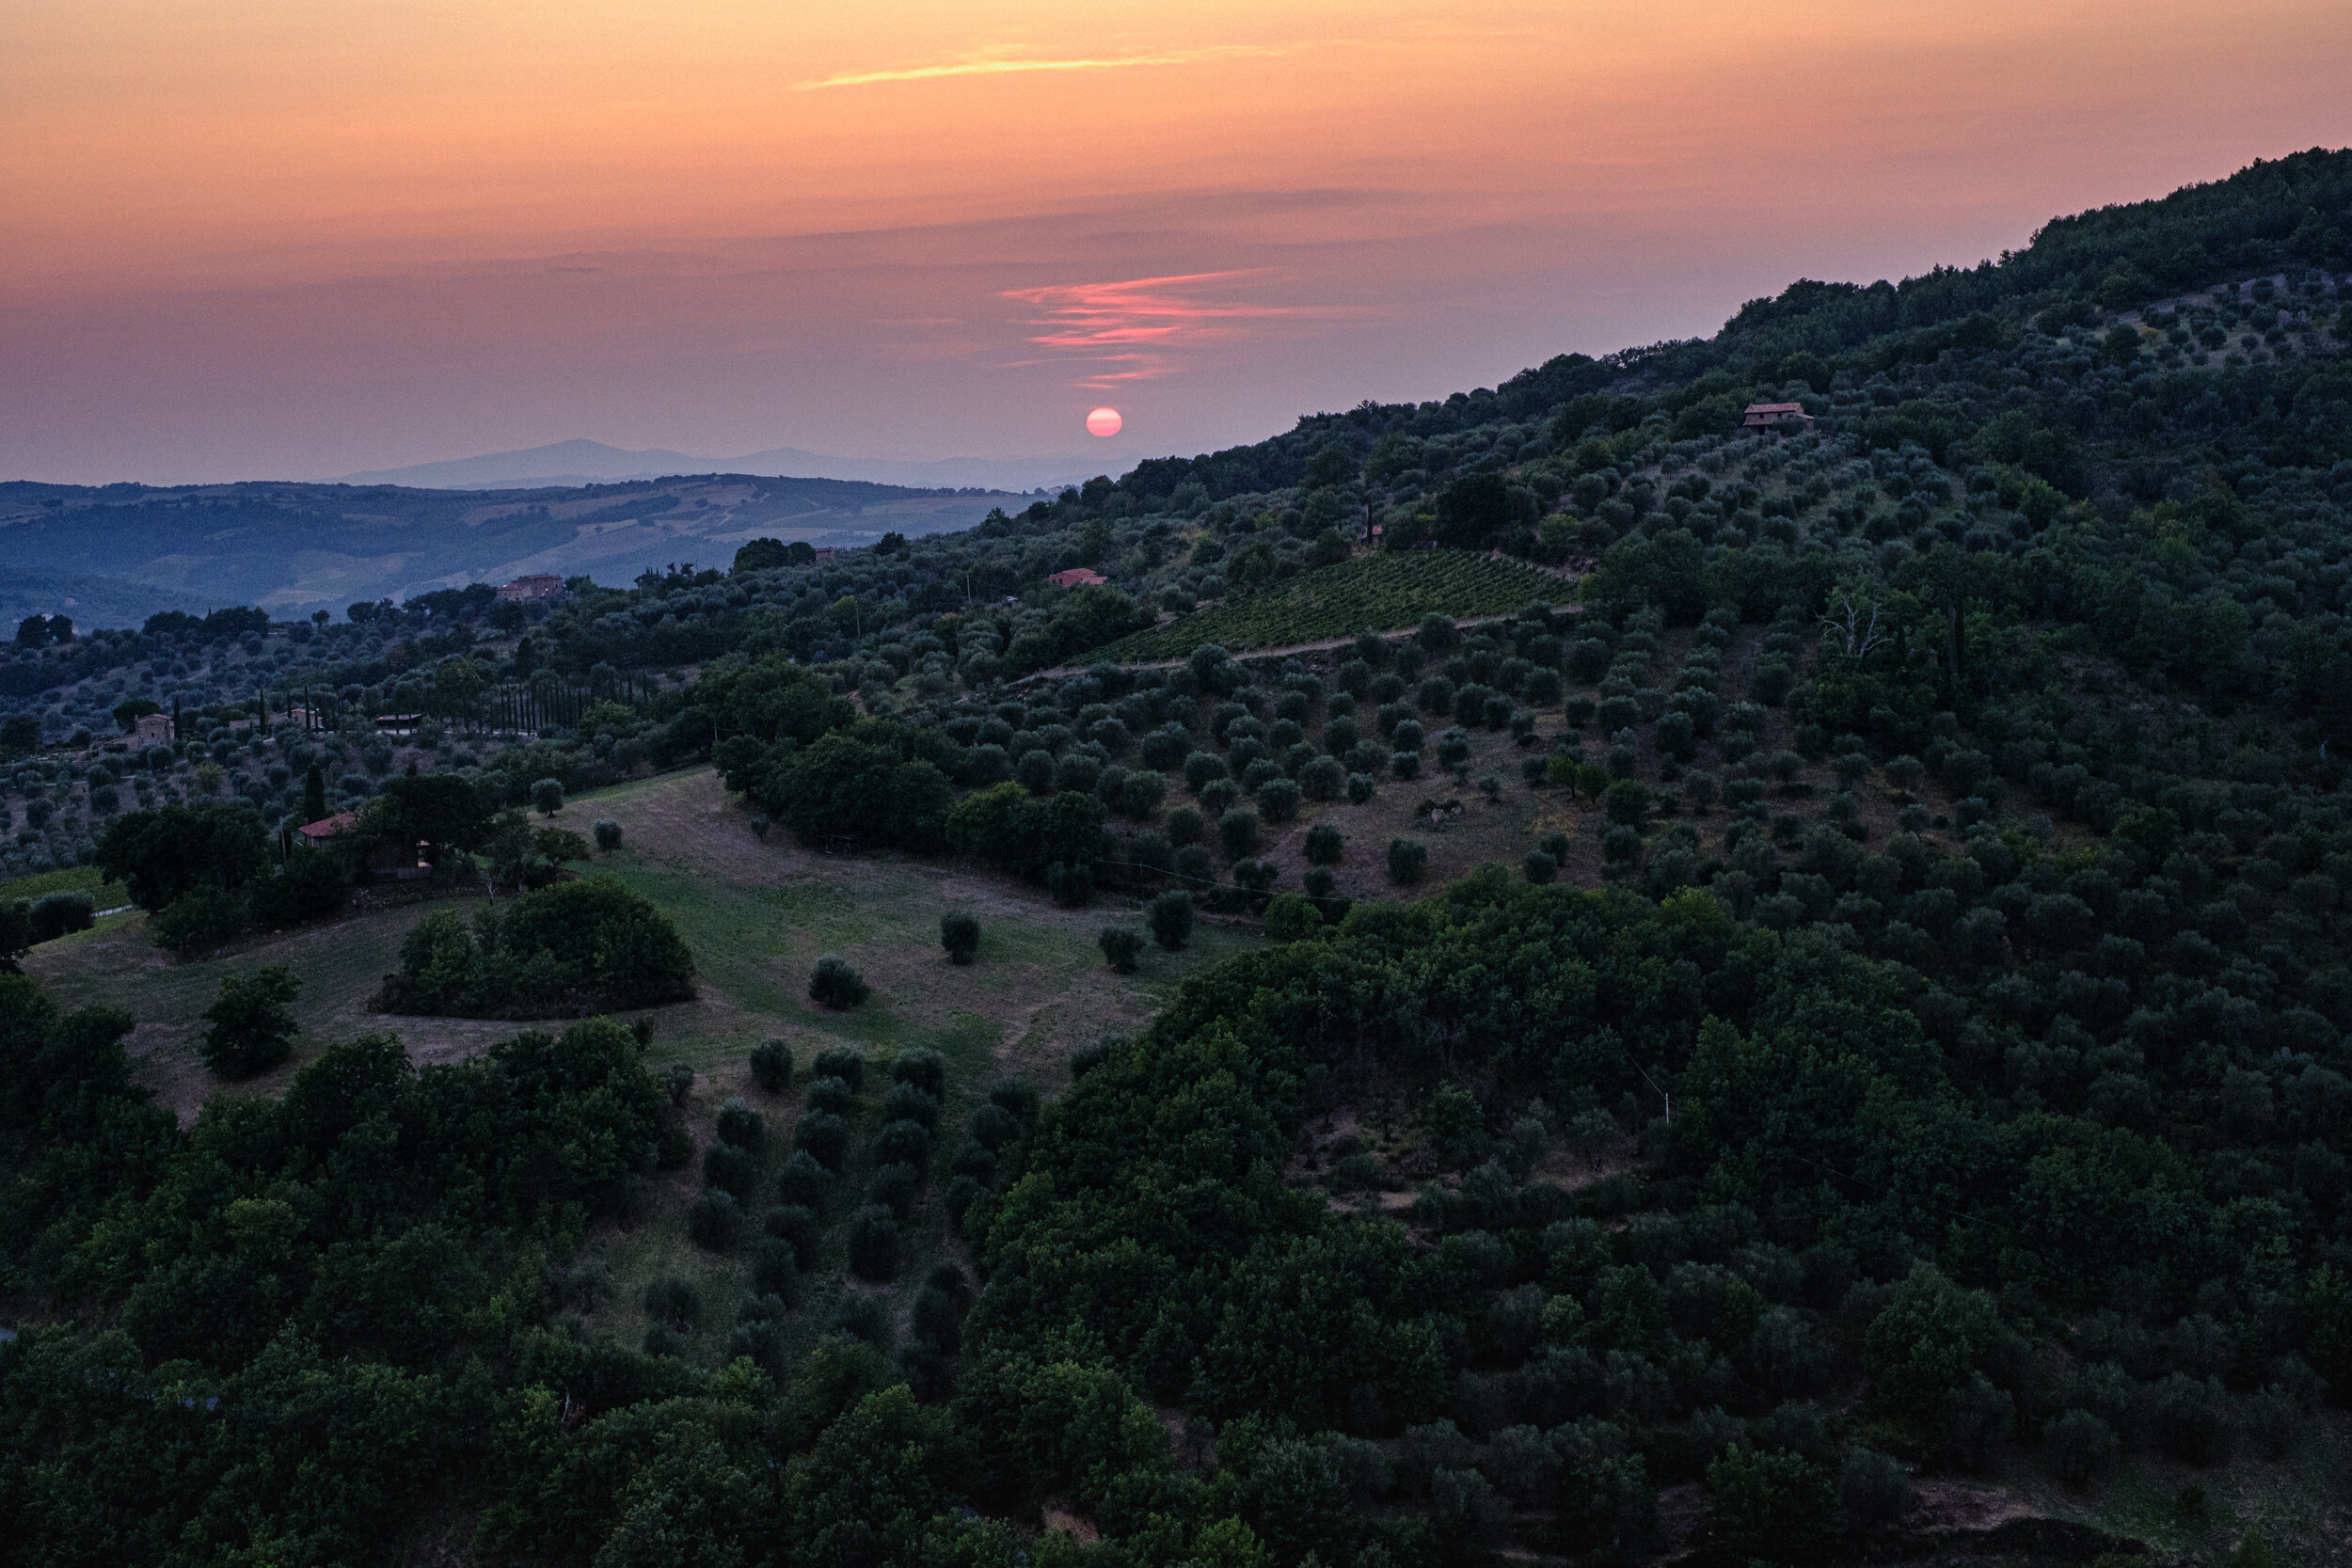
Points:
x=582, y=462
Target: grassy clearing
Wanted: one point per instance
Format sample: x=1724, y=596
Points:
x=71, y=878
x=1374, y=593
x=757, y=917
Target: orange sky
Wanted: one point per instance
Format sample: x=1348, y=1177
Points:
x=295, y=237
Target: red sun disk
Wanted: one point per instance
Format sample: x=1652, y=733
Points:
x=1104, y=422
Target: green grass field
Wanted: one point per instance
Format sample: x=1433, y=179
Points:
x=72, y=879
x=1376, y=593
x=756, y=915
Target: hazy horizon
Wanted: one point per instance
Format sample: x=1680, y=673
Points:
x=274, y=241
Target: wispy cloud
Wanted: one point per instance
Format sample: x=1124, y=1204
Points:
x=1129, y=329
x=997, y=63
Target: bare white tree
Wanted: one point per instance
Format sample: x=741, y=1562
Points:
x=1844, y=625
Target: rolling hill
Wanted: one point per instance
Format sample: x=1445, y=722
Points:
x=293, y=547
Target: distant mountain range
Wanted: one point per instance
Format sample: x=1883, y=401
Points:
x=579, y=462
x=112, y=555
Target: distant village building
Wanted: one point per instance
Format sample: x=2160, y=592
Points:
x=824, y=554
x=1764, y=416
x=532, y=588
x=153, y=729
x=332, y=835
x=1079, y=576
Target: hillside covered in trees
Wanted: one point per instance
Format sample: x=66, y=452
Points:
x=1893, y=1051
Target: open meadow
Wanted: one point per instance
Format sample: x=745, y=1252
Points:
x=758, y=915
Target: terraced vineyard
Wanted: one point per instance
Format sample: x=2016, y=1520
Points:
x=1372, y=594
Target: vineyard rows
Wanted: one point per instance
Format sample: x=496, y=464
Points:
x=1376, y=593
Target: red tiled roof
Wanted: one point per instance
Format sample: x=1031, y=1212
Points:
x=1079, y=576
x=328, y=826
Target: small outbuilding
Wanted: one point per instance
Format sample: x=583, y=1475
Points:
x=1079, y=576
x=1765, y=415
x=334, y=835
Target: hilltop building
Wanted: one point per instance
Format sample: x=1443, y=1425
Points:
x=535, y=589
x=1079, y=576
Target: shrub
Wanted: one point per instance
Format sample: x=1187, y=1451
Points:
x=824, y=1136
x=1407, y=859
x=197, y=921
x=797, y=1226
x=548, y=795
x=1360, y=788
x=960, y=934
x=1141, y=795
x=1324, y=779
x=911, y=1102
x=1169, y=915
x=873, y=1238
x=845, y=1062
x=804, y=1181
x=1186, y=826
x=678, y=1081
x=56, y=914
x=250, y=1027
x=922, y=1068
x=895, y=1186
x=1016, y=1098
x=1121, y=947
x=1771, y=1504
x=1540, y=868
x=992, y=1127
x=716, y=1220
x=1872, y=1488
x=674, y=1302
x=1626, y=802
x=305, y=886
x=833, y=984
x=775, y=1271
x=1292, y=917
x=903, y=1142
x=1325, y=844
x=2189, y=1420
x=829, y=1094
x=731, y=1168
x=1237, y=832
x=1277, y=800
x=864, y=1318
x=608, y=834
x=2080, y=1445
x=741, y=1126
x=563, y=950
x=771, y=1066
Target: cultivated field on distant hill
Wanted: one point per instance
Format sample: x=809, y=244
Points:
x=1376, y=593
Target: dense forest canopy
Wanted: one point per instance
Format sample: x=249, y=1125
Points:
x=1926, y=1057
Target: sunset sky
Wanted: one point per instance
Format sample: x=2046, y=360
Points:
x=290, y=238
